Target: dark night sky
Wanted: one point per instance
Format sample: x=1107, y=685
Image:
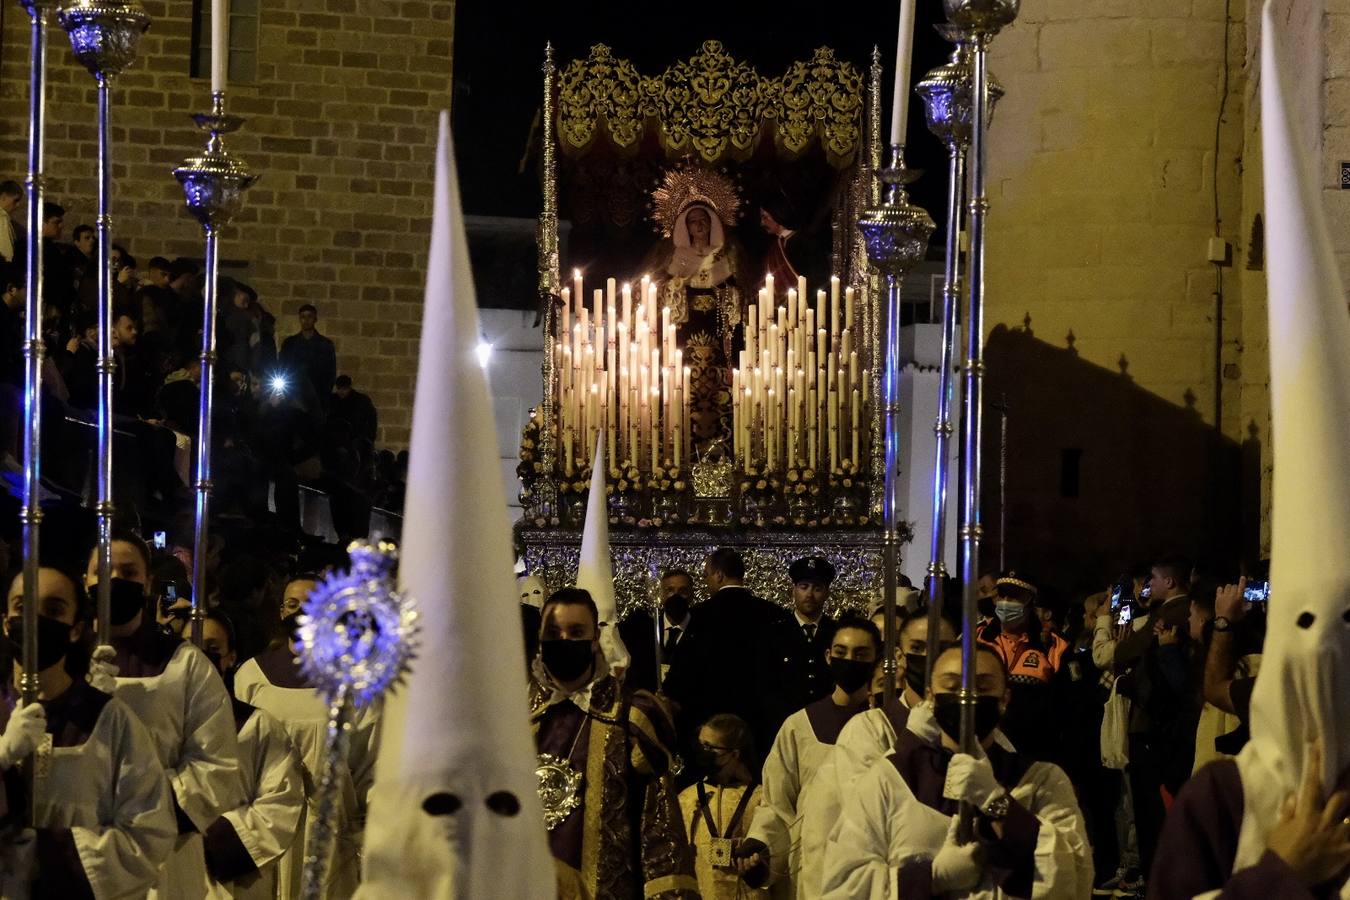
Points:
x=499, y=49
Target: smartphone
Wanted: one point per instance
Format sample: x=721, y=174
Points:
x=1256, y=592
x=1116, y=593
x=1126, y=615
x=1145, y=592
x=161, y=540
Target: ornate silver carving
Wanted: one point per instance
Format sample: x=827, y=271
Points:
x=559, y=789
x=104, y=34
x=987, y=17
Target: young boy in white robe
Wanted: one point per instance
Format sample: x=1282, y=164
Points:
x=897, y=835
x=180, y=699
x=104, y=814
x=272, y=681
x=244, y=845
x=785, y=836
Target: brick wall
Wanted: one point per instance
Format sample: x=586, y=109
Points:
x=342, y=126
x=1102, y=186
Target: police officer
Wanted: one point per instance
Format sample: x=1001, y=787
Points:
x=798, y=643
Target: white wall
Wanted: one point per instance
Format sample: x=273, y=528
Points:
x=515, y=382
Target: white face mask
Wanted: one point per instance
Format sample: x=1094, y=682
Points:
x=531, y=591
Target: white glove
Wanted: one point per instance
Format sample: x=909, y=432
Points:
x=971, y=779
x=22, y=734
x=102, y=669
x=957, y=867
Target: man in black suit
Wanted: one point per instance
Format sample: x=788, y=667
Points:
x=718, y=666
x=639, y=631
x=798, y=644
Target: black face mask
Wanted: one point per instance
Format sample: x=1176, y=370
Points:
x=291, y=625
x=947, y=711
x=676, y=607
x=566, y=660
x=708, y=765
x=128, y=599
x=916, y=672
x=851, y=674
x=53, y=640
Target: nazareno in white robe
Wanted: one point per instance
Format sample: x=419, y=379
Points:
x=784, y=820
x=304, y=715
x=884, y=828
x=183, y=704
x=111, y=795
x=264, y=827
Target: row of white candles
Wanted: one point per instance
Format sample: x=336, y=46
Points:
x=619, y=371
x=798, y=390
x=798, y=393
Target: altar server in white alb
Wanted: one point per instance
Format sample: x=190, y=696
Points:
x=897, y=835
x=244, y=845
x=177, y=694
x=272, y=681
x=1275, y=822
x=870, y=735
x=455, y=812
x=788, y=833
x=105, y=822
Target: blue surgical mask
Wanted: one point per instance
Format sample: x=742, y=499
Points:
x=1010, y=612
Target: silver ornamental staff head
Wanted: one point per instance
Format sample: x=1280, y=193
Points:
x=981, y=17
x=214, y=182
x=357, y=633
x=946, y=92
x=104, y=34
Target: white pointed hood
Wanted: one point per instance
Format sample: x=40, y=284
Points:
x=1304, y=687
x=595, y=570
x=454, y=811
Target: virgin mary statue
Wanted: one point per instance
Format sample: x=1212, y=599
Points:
x=698, y=270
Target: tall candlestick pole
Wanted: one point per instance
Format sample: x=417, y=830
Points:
x=213, y=187
x=896, y=234
x=105, y=38
x=982, y=19
x=31, y=512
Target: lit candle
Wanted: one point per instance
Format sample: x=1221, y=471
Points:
x=904, y=46
x=853, y=381
x=820, y=304
x=801, y=285
x=220, y=43
x=822, y=344
x=768, y=286
x=576, y=290
x=751, y=329
x=792, y=308
x=848, y=308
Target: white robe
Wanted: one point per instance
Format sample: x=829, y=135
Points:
x=304, y=715
x=188, y=714
x=268, y=821
x=883, y=825
x=784, y=820
x=113, y=796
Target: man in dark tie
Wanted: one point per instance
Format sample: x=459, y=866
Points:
x=640, y=636
x=797, y=672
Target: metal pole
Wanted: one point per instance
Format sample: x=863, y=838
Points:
x=971, y=530
x=31, y=514
x=1002, y=482
x=107, y=365
x=942, y=427
x=897, y=234
x=202, y=483
x=890, y=392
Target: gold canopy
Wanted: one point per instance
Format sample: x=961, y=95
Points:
x=712, y=106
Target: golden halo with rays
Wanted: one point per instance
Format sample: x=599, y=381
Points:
x=690, y=183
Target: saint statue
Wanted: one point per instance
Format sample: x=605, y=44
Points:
x=699, y=270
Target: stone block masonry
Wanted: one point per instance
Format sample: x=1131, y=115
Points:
x=341, y=125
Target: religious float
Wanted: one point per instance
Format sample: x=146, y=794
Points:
x=717, y=326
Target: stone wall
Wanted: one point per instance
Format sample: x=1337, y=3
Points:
x=342, y=126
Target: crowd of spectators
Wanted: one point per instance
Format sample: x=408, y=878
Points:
x=283, y=416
